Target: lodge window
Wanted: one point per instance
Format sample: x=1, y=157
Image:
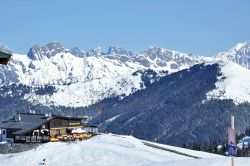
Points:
x=17, y=137
x=57, y=123
x=36, y=133
x=73, y=123
x=4, y=132
x=27, y=138
x=46, y=133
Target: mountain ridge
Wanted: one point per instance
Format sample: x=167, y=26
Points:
x=55, y=65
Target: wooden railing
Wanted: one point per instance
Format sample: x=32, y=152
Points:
x=32, y=139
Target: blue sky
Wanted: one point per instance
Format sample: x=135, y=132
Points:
x=202, y=27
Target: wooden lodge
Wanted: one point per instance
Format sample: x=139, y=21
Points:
x=32, y=127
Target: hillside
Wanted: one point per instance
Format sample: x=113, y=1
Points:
x=233, y=84
x=177, y=108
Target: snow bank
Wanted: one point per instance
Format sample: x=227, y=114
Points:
x=107, y=149
x=226, y=161
x=188, y=151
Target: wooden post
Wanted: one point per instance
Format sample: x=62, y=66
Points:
x=232, y=126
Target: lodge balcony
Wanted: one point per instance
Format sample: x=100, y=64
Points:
x=31, y=139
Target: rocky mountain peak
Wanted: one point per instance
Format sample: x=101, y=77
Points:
x=239, y=54
x=116, y=50
x=95, y=52
x=38, y=52
x=78, y=52
x=55, y=46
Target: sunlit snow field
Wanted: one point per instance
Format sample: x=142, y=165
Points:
x=113, y=150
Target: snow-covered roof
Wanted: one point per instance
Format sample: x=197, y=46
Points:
x=245, y=139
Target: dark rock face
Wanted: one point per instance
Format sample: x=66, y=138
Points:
x=38, y=52
x=242, y=56
x=164, y=55
x=116, y=50
x=77, y=52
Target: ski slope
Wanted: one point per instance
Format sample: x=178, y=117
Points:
x=232, y=84
x=112, y=150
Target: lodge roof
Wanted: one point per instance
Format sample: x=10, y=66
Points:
x=25, y=122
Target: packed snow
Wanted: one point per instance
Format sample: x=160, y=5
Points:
x=233, y=84
x=239, y=161
x=111, y=150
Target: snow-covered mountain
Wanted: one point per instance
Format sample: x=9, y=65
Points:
x=84, y=77
x=185, y=106
x=239, y=54
x=38, y=52
x=61, y=80
x=233, y=83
